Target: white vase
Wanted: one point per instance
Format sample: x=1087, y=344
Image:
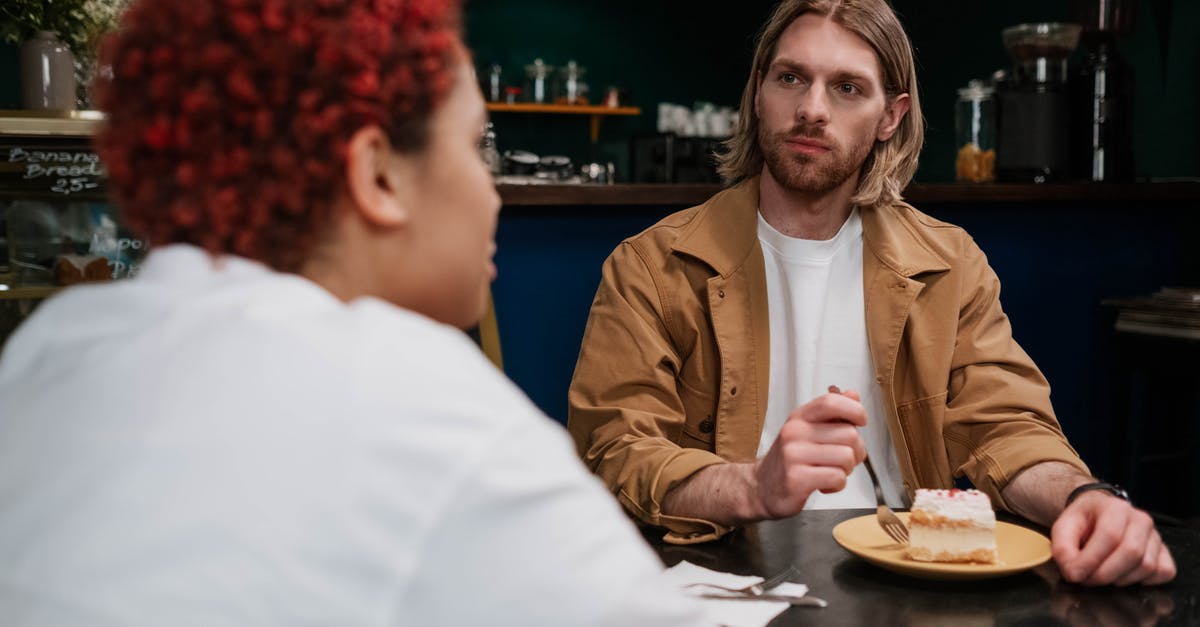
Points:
x=47, y=70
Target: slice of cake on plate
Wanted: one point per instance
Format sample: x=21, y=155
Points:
x=952, y=526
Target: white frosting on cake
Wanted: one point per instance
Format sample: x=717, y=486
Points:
x=971, y=505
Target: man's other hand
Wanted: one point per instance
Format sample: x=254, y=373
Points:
x=1102, y=540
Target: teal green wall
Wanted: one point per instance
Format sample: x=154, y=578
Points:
x=684, y=52
x=658, y=51
x=1166, y=59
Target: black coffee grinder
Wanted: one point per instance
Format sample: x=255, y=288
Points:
x=1033, y=104
x=1102, y=88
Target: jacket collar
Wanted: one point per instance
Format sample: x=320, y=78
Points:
x=895, y=243
x=725, y=232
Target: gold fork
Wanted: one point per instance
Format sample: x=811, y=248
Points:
x=891, y=523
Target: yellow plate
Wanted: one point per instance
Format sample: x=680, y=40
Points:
x=1020, y=549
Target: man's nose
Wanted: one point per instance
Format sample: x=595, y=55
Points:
x=812, y=105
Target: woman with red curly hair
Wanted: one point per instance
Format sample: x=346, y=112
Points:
x=277, y=421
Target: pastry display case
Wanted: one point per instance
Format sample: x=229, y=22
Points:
x=57, y=227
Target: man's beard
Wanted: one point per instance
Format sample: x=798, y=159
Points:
x=808, y=173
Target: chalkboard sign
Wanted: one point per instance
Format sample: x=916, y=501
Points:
x=50, y=167
x=54, y=202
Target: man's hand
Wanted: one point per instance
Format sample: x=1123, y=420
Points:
x=816, y=449
x=1102, y=540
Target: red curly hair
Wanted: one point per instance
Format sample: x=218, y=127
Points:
x=227, y=120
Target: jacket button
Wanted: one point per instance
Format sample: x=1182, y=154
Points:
x=733, y=391
x=706, y=425
x=721, y=293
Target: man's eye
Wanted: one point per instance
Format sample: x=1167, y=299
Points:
x=848, y=89
x=789, y=78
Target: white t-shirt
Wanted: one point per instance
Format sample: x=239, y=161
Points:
x=221, y=444
x=818, y=339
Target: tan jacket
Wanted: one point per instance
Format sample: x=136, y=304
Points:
x=672, y=375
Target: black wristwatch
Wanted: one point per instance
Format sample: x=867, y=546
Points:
x=1114, y=490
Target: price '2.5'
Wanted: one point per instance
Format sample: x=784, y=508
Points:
x=73, y=185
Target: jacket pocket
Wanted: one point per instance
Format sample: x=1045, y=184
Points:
x=700, y=423
x=921, y=421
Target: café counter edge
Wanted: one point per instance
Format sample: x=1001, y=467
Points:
x=688, y=194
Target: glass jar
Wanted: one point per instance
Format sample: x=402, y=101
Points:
x=495, y=84
x=975, y=131
x=47, y=71
x=572, y=89
x=537, y=81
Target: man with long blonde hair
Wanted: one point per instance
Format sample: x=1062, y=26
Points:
x=700, y=396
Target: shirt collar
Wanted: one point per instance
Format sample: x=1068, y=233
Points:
x=725, y=232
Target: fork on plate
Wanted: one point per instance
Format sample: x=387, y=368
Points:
x=755, y=589
x=891, y=523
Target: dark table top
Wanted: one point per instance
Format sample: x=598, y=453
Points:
x=860, y=593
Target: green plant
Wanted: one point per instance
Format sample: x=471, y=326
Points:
x=79, y=23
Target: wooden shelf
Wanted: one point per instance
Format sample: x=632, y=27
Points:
x=596, y=112
x=28, y=292
x=50, y=123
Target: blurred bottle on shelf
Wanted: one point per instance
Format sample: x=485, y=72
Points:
x=1102, y=87
x=494, y=89
x=572, y=89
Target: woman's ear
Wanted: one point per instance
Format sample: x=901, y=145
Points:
x=373, y=178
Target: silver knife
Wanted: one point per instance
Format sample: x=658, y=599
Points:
x=804, y=601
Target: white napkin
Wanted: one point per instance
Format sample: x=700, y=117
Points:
x=731, y=613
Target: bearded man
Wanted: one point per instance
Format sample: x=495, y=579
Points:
x=699, y=395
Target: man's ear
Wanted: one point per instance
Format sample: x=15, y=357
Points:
x=372, y=180
x=893, y=115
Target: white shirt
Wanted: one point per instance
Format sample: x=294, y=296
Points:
x=221, y=444
x=819, y=338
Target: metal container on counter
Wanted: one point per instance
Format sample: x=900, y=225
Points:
x=1033, y=143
